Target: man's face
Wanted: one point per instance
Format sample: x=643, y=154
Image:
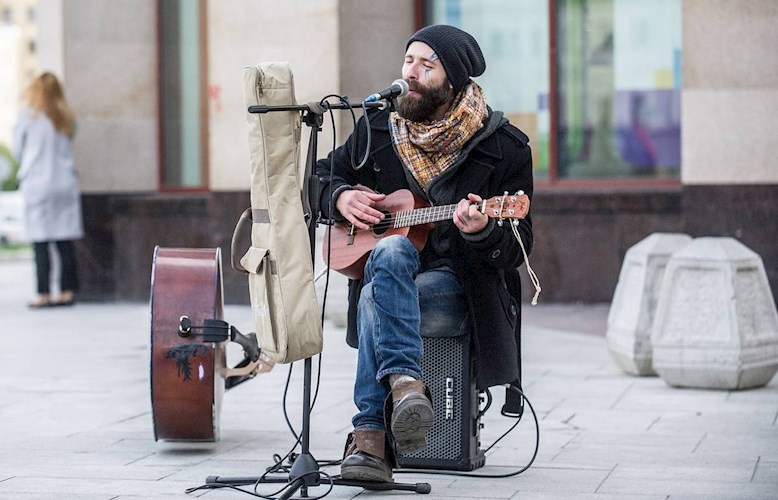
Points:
x=429, y=90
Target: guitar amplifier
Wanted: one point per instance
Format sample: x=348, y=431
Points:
x=453, y=442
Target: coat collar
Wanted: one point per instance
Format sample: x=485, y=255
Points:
x=487, y=145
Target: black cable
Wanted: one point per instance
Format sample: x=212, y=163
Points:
x=518, y=419
x=279, y=462
x=369, y=140
x=268, y=496
x=492, y=476
x=278, y=466
x=271, y=496
x=325, y=104
x=488, y=394
x=283, y=403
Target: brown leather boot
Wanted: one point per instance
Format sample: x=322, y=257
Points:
x=412, y=416
x=366, y=457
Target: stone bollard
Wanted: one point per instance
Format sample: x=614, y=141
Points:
x=716, y=324
x=632, y=310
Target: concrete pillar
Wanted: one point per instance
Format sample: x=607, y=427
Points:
x=51, y=47
x=716, y=324
x=105, y=54
x=631, y=315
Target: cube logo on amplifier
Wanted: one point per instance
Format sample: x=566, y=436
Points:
x=453, y=441
x=449, y=398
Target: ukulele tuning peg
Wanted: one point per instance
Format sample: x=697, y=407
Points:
x=499, y=222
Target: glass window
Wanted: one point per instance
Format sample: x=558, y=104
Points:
x=616, y=80
x=619, y=83
x=181, y=96
x=514, y=37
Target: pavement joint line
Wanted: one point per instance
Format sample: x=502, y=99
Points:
x=593, y=468
x=140, y=458
x=621, y=396
x=572, y=439
x=756, y=466
x=551, y=410
x=561, y=449
x=699, y=442
x=605, y=478
x=652, y=423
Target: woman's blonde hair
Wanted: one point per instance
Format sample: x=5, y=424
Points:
x=45, y=94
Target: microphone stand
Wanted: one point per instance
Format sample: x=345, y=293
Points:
x=305, y=469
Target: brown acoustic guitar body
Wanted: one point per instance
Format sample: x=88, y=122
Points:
x=186, y=384
x=351, y=247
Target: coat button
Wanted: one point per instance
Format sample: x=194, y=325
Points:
x=513, y=309
x=495, y=254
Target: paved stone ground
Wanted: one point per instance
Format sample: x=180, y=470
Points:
x=75, y=416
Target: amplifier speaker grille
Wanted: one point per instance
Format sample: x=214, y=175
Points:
x=453, y=442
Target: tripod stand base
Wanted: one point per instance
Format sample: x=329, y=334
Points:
x=421, y=488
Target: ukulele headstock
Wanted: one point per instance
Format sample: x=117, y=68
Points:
x=507, y=206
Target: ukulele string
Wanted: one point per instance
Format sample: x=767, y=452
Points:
x=415, y=216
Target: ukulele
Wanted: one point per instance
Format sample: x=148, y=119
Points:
x=347, y=248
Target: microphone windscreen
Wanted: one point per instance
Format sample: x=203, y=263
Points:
x=403, y=86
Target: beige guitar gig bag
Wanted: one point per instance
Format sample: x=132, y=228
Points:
x=279, y=265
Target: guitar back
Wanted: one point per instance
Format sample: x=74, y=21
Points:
x=347, y=248
x=186, y=386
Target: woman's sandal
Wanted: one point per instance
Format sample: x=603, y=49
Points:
x=60, y=303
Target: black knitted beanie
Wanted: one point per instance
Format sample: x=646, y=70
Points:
x=458, y=51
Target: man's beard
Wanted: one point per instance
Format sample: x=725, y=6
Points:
x=430, y=99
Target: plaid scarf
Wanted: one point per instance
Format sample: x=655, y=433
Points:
x=429, y=148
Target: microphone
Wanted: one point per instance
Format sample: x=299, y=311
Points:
x=398, y=88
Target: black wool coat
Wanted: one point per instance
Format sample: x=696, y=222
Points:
x=496, y=160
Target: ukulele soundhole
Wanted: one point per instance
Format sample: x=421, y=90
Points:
x=384, y=225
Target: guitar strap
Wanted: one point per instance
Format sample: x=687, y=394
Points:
x=279, y=262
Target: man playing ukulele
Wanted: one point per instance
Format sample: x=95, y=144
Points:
x=445, y=145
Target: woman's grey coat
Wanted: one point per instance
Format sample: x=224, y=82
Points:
x=48, y=179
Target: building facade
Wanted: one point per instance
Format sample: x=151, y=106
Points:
x=644, y=116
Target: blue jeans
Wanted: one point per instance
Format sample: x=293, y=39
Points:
x=394, y=299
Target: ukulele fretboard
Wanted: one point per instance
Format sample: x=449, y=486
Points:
x=406, y=218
